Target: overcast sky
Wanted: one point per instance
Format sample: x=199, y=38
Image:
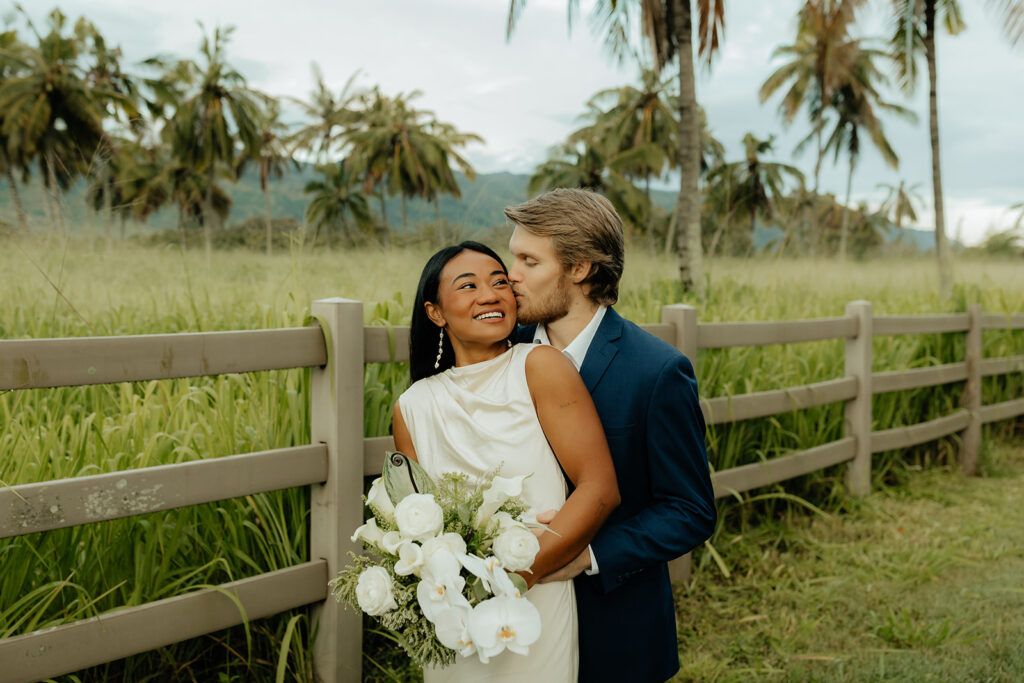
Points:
x=524, y=96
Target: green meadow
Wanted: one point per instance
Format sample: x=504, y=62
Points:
x=83, y=288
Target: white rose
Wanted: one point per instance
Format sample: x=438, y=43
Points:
x=410, y=559
x=418, y=517
x=453, y=543
x=515, y=548
x=373, y=591
x=369, y=533
x=378, y=500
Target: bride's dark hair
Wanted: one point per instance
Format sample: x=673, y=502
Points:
x=423, y=333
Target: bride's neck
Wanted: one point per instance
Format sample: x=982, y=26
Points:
x=470, y=355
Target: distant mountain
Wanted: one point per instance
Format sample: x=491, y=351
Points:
x=479, y=209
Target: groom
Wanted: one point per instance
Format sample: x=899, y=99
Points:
x=568, y=257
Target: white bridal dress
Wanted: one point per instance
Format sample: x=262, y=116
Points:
x=472, y=419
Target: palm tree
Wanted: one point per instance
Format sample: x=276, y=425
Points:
x=51, y=110
x=445, y=138
x=899, y=202
x=219, y=114
x=273, y=156
x=9, y=164
x=750, y=187
x=334, y=198
x=914, y=35
x=855, y=102
x=667, y=27
x=327, y=113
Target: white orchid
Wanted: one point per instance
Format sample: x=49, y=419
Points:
x=490, y=572
x=452, y=629
x=369, y=533
x=410, y=559
x=379, y=501
x=419, y=517
x=516, y=547
x=374, y=593
x=501, y=623
x=440, y=585
x=500, y=490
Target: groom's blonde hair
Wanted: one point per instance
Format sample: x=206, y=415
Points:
x=583, y=226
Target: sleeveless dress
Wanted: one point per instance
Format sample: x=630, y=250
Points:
x=473, y=419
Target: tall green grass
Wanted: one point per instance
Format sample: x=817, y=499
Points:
x=77, y=288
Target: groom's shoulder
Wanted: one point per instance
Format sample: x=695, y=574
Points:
x=637, y=340
x=523, y=334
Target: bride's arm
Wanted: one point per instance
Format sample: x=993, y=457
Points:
x=573, y=429
x=403, y=442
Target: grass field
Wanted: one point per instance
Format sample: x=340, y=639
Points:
x=78, y=288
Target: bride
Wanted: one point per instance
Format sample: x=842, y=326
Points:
x=477, y=403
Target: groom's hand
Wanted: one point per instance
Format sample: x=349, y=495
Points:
x=570, y=571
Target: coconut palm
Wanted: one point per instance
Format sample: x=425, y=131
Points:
x=219, y=114
x=667, y=27
x=749, y=187
x=329, y=115
x=335, y=198
x=9, y=163
x=51, y=111
x=899, y=202
x=273, y=155
x=855, y=103
x=913, y=37
x=445, y=138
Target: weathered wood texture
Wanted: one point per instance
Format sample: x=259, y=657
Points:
x=374, y=448
x=764, y=403
x=901, y=380
x=754, y=475
x=40, y=363
x=912, y=435
x=1001, y=321
x=723, y=335
x=336, y=508
x=1002, y=411
x=920, y=324
x=1002, y=366
x=970, y=449
x=114, y=635
x=60, y=503
x=857, y=411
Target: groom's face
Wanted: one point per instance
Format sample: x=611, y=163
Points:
x=541, y=285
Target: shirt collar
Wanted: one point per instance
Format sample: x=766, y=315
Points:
x=578, y=347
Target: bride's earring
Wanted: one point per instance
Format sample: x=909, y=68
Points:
x=440, y=350
x=509, y=342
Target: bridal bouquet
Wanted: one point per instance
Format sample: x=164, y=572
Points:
x=436, y=572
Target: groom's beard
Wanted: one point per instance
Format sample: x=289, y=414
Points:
x=546, y=310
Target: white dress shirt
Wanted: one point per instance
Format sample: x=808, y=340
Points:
x=576, y=351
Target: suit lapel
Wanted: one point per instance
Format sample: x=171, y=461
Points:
x=602, y=349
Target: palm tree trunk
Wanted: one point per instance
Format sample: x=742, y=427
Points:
x=437, y=209
x=691, y=266
x=404, y=222
x=15, y=195
x=51, y=174
x=650, y=212
x=385, y=229
x=845, y=225
x=208, y=214
x=941, y=247
x=108, y=203
x=267, y=218
x=123, y=228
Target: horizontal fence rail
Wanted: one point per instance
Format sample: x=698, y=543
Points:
x=912, y=435
x=1002, y=411
x=921, y=324
x=996, y=321
x=723, y=335
x=43, y=363
x=30, y=508
x=114, y=635
x=754, y=475
x=765, y=403
x=902, y=380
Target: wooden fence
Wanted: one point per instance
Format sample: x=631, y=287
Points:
x=338, y=458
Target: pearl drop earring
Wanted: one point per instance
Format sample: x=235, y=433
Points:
x=440, y=350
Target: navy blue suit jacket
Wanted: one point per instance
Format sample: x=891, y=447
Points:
x=645, y=393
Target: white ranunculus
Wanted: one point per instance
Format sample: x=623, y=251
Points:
x=452, y=629
x=378, y=500
x=369, y=533
x=410, y=559
x=373, y=591
x=453, y=543
x=515, y=548
x=490, y=572
x=504, y=623
x=441, y=584
x=495, y=495
x=418, y=517
x=391, y=542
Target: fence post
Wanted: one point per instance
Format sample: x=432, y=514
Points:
x=684, y=318
x=336, y=505
x=857, y=421
x=972, y=392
